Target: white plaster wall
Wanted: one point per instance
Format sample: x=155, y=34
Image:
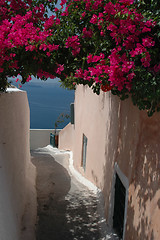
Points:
x=66, y=137
x=41, y=137
x=15, y=165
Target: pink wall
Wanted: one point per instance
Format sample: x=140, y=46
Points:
x=144, y=194
x=119, y=133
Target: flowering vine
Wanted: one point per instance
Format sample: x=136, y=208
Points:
x=118, y=49
x=108, y=45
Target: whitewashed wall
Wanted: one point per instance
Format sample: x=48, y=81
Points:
x=41, y=137
x=17, y=174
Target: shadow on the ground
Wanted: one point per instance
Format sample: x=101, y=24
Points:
x=64, y=211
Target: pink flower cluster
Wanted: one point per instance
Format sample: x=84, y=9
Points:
x=45, y=74
x=131, y=34
x=120, y=72
x=59, y=69
x=23, y=31
x=87, y=33
x=30, y=31
x=73, y=42
x=157, y=68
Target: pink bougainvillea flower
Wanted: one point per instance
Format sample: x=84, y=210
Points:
x=156, y=68
x=87, y=33
x=59, y=69
x=148, y=42
x=83, y=14
x=106, y=87
x=79, y=73
x=28, y=79
x=94, y=19
x=126, y=2
x=74, y=43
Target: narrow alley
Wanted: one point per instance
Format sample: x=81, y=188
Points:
x=67, y=210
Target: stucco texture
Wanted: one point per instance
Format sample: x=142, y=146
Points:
x=119, y=133
x=144, y=194
x=17, y=175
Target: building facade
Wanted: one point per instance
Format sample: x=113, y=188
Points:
x=117, y=147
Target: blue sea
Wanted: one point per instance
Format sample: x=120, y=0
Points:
x=47, y=100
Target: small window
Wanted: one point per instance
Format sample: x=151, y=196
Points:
x=72, y=112
x=84, y=152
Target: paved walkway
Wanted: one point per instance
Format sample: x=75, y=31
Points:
x=67, y=210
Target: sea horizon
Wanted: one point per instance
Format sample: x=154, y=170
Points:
x=47, y=100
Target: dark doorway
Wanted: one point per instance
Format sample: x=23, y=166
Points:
x=119, y=207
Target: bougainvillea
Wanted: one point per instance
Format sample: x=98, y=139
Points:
x=108, y=45
x=118, y=49
x=25, y=40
